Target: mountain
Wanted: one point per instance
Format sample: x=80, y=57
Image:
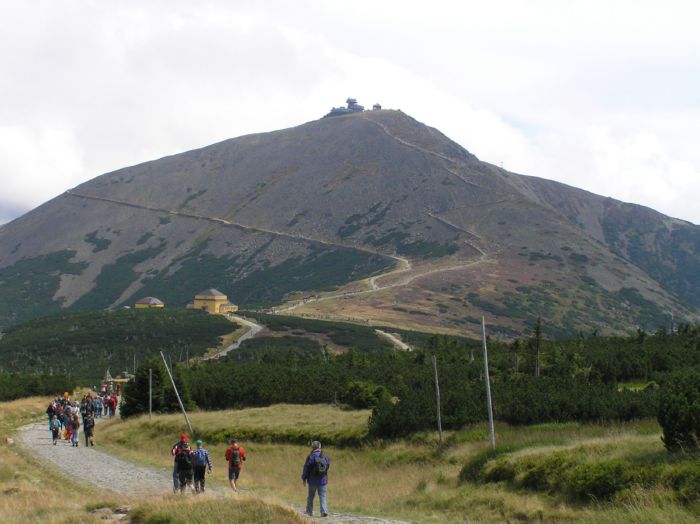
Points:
x=369, y=216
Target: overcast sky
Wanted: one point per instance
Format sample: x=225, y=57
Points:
x=600, y=95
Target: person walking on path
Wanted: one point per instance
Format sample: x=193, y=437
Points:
x=75, y=435
x=55, y=430
x=89, y=429
x=98, y=406
x=315, y=475
x=201, y=463
x=183, y=463
x=177, y=447
x=235, y=455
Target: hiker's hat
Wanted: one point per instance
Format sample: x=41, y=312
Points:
x=199, y=442
x=184, y=437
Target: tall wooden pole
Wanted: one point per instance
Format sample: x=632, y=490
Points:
x=177, y=394
x=437, y=397
x=492, y=431
x=150, y=394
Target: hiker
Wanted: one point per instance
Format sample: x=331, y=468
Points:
x=75, y=433
x=68, y=422
x=201, y=463
x=98, y=407
x=235, y=455
x=55, y=430
x=177, y=447
x=51, y=412
x=86, y=407
x=315, y=474
x=183, y=464
x=89, y=429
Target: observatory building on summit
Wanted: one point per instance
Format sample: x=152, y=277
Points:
x=352, y=107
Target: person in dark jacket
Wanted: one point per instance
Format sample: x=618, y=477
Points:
x=89, y=429
x=184, y=465
x=315, y=476
x=177, y=447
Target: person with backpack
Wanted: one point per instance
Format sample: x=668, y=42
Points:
x=183, y=463
x=89, y=429
x=235, y=456
x=75, y=433
x=201, y=463
x=315, y=475
x=177, y=447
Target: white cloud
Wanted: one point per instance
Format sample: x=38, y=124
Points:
x=596, y=94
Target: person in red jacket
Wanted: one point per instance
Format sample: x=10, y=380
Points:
x=235, y=456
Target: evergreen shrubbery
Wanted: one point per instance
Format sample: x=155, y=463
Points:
x=679, y=410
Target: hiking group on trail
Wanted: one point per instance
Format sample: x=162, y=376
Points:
x=65, y=417
x=190, y=466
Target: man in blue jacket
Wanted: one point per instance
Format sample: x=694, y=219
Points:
x=315, y=475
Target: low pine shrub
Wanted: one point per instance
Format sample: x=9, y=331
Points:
x=685, y=481
x=601, y=480
x=473, y=470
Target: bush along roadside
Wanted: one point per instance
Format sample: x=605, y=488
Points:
x=582, y=474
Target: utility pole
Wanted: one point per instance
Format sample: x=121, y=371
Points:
x=177, y=394
x=437, y=397
x=492, y=431
x=150, y=394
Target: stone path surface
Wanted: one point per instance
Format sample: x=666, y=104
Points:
x=94, y=466
x=106, y=471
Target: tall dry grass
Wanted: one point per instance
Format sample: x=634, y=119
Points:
x=403, y=479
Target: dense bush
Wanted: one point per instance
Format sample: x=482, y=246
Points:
x=26, y=385
x=135, y=399
x=361, y=395
x=679, y=410
x=85, y=345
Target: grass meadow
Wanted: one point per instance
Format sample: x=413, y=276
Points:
x=410, y=479
x=31, y=492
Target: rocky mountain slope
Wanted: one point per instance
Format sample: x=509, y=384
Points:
x=307, y=215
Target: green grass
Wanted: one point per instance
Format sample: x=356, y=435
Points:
x=298, y=424
x=206, y=510
x=410, y=479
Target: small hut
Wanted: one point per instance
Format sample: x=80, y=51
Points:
x=148, y=303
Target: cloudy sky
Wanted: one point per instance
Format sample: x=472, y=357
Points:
x=600, y=95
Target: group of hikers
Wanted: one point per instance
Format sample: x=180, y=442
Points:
x=65, y=416
x=191, y=465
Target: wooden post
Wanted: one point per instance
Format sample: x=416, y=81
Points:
x=492, y=431
x=177, y=394
x=150, y=394
x=437, y=396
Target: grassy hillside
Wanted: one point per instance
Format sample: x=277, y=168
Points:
x=410, y=479
x=85, y=345
x=34, y=493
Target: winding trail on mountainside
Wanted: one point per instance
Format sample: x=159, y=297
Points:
x=376, y=288
x=105, y=471
x=404, y=264
x=253, y=329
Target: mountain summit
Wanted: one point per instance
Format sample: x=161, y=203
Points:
x=366, y=216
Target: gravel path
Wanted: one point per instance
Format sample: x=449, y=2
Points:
x=95, y=466
x=109, y=472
